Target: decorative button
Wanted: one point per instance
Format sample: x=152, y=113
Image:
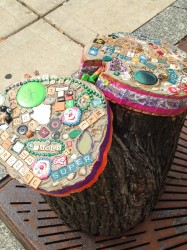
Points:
x=54, y=124
x=22, y=130
x=8, y=111
x=65, y=136
x=55, y=135
x=3, y=108
x=8, y=119
x=31, y=94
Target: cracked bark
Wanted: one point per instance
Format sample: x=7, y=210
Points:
x=140, y=157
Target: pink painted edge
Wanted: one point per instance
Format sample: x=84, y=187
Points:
x=142, y=107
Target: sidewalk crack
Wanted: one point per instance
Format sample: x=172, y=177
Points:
x=42, y=16
x=64, y=33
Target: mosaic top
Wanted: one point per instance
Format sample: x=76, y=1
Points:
x=54, y=133
x=140, y=72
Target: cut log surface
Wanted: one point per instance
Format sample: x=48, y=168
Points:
x=140, y=157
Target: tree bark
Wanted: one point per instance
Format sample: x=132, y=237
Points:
x=140, y=157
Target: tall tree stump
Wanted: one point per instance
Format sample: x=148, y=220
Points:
x=148, y=77
x=141, y=154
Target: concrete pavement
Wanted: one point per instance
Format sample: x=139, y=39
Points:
x=48, y=36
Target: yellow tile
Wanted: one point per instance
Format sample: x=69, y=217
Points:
x=33, y=125
x=5, y=155
x=16, y=121
x=6, y=144
x=51, y=91
x=24, y=154
x=11, y=160
x=99, y=113
x=12, y=94
x=16, y=112
x=84, y=125
x=91, y=119
x=18, y=165
x=29, y=160
x=28, y=177
x=4, y=135
x=35, y=182
x=24, y=170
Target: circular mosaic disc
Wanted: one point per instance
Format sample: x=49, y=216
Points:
x=57, y=134
x=138, y=72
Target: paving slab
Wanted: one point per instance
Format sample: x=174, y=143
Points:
x=38, y=47
x=83, y=19
x=8, y=241
x=169, y=25
x=13, y=17
x=41, y=7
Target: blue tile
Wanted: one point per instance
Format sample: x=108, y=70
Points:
x=87, y=159
x=79, y=162
x=63, y=172
x=55, y=175
x=71, y=167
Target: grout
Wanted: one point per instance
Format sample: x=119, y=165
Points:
x=18, y=30
x=65, y=34
x=42, y=16
x=31, y=9
x=2, y=39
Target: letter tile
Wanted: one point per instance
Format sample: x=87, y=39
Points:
x=79, y=162
x=29, y=160
x=28, y=177
x=24, y=170
x=87, y=159
x=5, y=155
x=35, y=182
x=4, y=135
x=11, y=160
x=24, y=154
x=55, y=175
x=6, y=144
x=71, y=167
x=18, y=165
x=63, y=172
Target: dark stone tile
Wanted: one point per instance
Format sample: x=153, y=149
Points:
x=169, y=25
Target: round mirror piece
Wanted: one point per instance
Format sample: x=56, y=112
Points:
x=145, y=77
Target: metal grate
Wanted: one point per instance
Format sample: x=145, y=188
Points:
x=37, y=227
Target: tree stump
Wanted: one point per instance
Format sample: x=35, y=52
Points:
x=141, y=154
x=148, y=77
